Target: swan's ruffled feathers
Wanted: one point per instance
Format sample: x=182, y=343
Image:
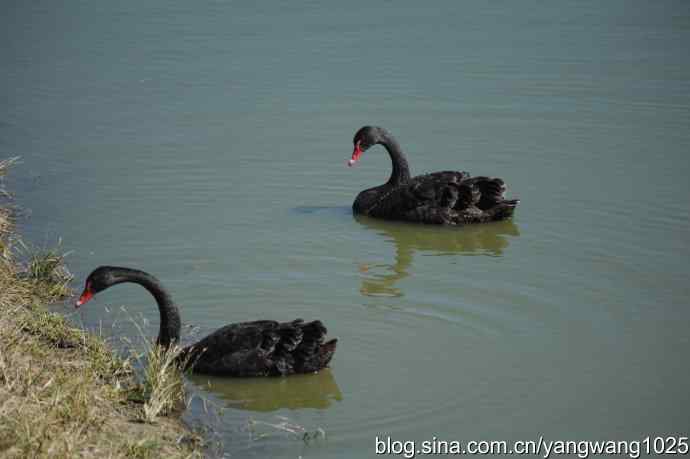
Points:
x=445, y=197
x=262, y=348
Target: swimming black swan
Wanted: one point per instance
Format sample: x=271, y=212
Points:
x=447, y=197
x=260, y=348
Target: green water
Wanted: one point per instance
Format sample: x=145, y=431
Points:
x=206, y=143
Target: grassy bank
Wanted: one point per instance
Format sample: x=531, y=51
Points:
x=63, y=392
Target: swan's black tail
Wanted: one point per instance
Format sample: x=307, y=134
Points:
x=503, y=209
x=326, y=352
x=312, y=353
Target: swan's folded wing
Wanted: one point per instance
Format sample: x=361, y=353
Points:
x=263, y=348
x=230, y=350
x=425, y=198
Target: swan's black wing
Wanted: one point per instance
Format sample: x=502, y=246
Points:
x=446, y=197
x=262, y=348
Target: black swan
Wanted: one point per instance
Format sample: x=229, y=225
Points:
x=447, y=197
x=260, y=348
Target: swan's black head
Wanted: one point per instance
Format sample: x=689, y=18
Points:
x=365, y=138
x=100, y=279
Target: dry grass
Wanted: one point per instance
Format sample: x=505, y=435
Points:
x=5, y=210
x=63, y=392
x=163, y=382
x=5, y=225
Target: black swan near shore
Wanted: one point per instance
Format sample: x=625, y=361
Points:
x=447, y=197
x=260, y=348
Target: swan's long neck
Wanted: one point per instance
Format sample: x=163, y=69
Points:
x=170, y=323
x=401, y=170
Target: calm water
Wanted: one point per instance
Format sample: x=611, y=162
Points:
x=206, y=143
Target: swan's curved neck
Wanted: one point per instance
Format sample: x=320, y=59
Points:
x=170, y=323
x=401, y=170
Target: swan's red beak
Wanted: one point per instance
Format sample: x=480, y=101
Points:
x=355, y=155
x=86, y=295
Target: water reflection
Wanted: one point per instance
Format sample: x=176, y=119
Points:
x=486, y=239
x=310, y=210
x=317, y=390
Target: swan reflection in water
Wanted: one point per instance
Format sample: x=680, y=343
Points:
x=317, y=390
x=485, y=239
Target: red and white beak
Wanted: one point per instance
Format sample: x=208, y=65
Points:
x=86, y=295
x=355, y=155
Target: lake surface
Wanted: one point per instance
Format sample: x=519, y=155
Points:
x=206, y=143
